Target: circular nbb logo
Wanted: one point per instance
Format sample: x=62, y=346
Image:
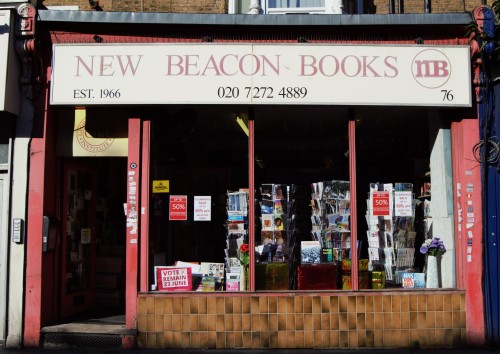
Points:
x=431, y=68
x=89, y=143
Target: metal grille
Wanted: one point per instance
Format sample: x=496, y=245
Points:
x=81, y=340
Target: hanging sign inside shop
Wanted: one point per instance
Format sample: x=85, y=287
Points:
x=381, y=204
x=85, y=236
x=403, y=203
x=202, y=208
x=178, y=207
x=285, y=74
x=91, y=136
x=161, y=186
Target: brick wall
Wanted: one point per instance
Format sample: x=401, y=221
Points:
x=175, y=6
x=418, y=6
x=220, y=6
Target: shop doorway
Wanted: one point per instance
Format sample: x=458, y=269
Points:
x=92, y=247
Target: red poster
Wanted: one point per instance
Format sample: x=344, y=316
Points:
x=173, y=279
x=178, y=207
x=380, y=204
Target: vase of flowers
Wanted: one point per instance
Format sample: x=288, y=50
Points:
x=244, y=258
x=433, y=248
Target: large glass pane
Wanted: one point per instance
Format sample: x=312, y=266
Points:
x=395, y=217
x=302, y=229
x=200, y=156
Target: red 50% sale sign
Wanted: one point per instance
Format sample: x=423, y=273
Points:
x=381, y=205
x=178, y=207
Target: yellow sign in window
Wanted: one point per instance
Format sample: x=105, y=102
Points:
x=161, y=186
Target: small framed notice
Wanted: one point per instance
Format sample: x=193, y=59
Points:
x=173, y=279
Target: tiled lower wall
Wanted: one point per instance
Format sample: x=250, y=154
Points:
x=301, y=320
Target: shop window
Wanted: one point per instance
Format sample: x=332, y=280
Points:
x=301, y=179
x=4, y=151
x=200, y=154
x=399, y=229
x=302, y=231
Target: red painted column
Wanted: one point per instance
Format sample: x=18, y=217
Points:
x=145, y=193
x=251, y=197
x=353, y=217
x=468, y=233
x=34, y=226
x=132, y=223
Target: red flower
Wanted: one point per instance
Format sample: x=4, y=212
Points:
x=244, y=248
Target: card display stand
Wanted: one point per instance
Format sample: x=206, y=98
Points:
x=330, y=218
x=236, y=236
x=391, y=232
x=274, y=226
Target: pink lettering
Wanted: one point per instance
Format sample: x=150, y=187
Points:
x=227, y=65
x=212, y=66
x=250, y=63
x=391, y=66
x=308, y=61
x=432, y=68
x=105, y=65
x=128, y=64
x=192, y=66
x=350, y=66
x=79, y=61
x=368, y=66
x=357, y=62
x=174, y=62
x=322, y=67
x=223, y=64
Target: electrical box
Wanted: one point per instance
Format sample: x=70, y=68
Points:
x=17, y=230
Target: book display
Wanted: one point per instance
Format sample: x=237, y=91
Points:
x=391, y=232
x=236, y=259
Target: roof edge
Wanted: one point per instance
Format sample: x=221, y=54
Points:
x=153, y=18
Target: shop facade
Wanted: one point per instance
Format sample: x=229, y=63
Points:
x=171, y=147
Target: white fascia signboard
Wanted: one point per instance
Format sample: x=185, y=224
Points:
x=9, y=66
x=297, y=74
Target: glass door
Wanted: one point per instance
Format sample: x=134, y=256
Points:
x=78, y=241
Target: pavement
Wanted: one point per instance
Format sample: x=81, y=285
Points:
x=250, y=351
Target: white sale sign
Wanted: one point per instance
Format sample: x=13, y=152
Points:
x=202, y=208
